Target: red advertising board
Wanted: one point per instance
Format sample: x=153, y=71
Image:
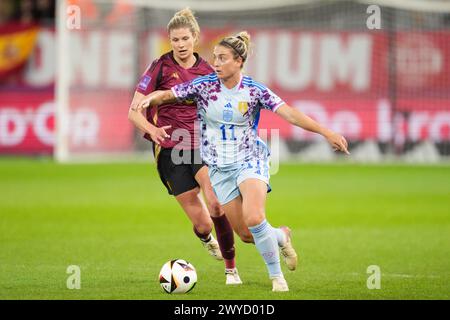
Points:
x=98, y=123
x=27, y=122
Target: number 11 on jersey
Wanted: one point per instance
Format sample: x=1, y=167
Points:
x=224, y=134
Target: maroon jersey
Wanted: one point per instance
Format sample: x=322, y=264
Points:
x=163, y=74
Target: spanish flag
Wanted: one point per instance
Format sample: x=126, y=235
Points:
x=16, y=45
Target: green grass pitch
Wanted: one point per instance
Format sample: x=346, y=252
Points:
x=117, y=223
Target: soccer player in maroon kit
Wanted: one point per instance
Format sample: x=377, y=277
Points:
x=184, y=180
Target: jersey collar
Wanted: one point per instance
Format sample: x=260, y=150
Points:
x=235, y=88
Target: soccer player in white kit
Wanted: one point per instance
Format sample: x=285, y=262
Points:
x=229, y=105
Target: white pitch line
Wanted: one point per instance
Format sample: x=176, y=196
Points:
x=400, y=275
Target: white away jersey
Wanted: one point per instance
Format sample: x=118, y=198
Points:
x=229, y=118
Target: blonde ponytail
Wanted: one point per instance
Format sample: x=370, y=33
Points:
x=240, y=43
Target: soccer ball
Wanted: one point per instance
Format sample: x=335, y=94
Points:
x=177, y=276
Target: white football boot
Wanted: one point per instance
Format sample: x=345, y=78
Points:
x=288, y=251
x=212, y=246
x=232, y=276
x=279, y=284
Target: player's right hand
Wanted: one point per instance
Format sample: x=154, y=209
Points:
x=338, y=142
x=159, y=134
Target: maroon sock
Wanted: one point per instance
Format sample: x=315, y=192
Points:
x=225, y=237
x=203, y=236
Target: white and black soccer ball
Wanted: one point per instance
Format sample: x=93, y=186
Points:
x=177, y=276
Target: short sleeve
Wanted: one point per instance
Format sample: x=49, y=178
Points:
x=269, y=100
x=149, y=80
x=188, y=90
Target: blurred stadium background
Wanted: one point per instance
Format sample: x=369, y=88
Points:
x=64, y=98
x=386, y=90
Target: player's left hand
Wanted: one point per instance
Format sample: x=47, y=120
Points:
x=338, y=143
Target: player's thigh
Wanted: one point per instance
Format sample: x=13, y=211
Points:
x=233, y=211
x=254, y=193
x=195, y=208
x=202, y=178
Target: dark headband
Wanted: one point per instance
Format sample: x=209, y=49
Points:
x=223, y=42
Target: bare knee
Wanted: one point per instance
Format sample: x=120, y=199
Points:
x=215, y=209
x=254, y=219
x=253, y=214
x=196, y=211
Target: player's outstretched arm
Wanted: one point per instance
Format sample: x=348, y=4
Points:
x=137, y=117
x=301, y=120
x=156, y=98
